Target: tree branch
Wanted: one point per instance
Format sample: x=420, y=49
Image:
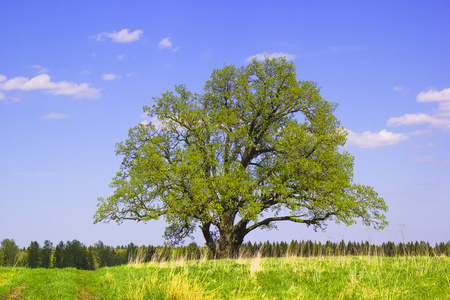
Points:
x=295, y=219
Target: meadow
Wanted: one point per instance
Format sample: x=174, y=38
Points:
x=326, y=277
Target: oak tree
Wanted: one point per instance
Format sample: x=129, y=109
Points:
x=256, y=148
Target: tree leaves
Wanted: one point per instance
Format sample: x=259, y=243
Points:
x=256, y=143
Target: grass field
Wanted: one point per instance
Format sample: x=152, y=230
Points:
x=341, y=277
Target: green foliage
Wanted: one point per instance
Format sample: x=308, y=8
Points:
x=104, y=254
x=33, y=255
x=99, y=256
x=58, y=255
x=349, y=277
x=10, y=250
x=256, y=148
x=46, y=254
x=75, y=255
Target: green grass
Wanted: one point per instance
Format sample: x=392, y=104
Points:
x=356, y=277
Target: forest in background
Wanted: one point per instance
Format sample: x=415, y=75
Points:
x=74, y=254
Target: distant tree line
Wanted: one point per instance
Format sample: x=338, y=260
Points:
x=309, y=248
x=74, y=254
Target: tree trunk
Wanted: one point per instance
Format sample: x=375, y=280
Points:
x=210, y=243
x=229, y=248
x=231, y=237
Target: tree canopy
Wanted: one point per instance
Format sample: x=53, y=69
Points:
x=257, y=147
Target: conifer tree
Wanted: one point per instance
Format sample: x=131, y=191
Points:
x=33, y=254
x=46, y=254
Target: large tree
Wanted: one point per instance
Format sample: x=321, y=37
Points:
x=258, y=147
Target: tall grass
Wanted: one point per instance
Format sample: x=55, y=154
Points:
x=290, y=277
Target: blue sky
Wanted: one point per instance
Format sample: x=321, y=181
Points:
x=74, y=76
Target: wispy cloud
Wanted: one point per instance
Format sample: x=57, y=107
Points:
x=369, y=140
x=110, y=76
x=40, y=69
x=35, y=174
x=208, y=53
x=167, y=43
x=419, y=118
x=44, y=82
x=421, y=146
x=262, y=56
x=288, y=44
x=13, y=99
x=121, y=56
x=440, y=118
x=54, y=116
x=432, y=160
x=425, y=160
x=399, y=88
x=123, y=36
x=335, y=49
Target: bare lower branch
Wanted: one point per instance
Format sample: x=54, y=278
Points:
x=295, y=219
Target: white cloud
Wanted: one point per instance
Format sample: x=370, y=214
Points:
x=2, y=78
x=398, y=88
x=110, y=76
x=54, y=116
x=121, y=56
x=432, y=160
x=41, y=69
x=155, y=121
x=369, y=140
x=123, y=36
x=165, y=43
x=420, y=118
x=43, y=82
x=262, y=56
x=434, y=96
x=440, y=118
x=443, y=109
x=425, y=160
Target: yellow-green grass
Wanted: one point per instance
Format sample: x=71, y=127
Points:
x=340, y=277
